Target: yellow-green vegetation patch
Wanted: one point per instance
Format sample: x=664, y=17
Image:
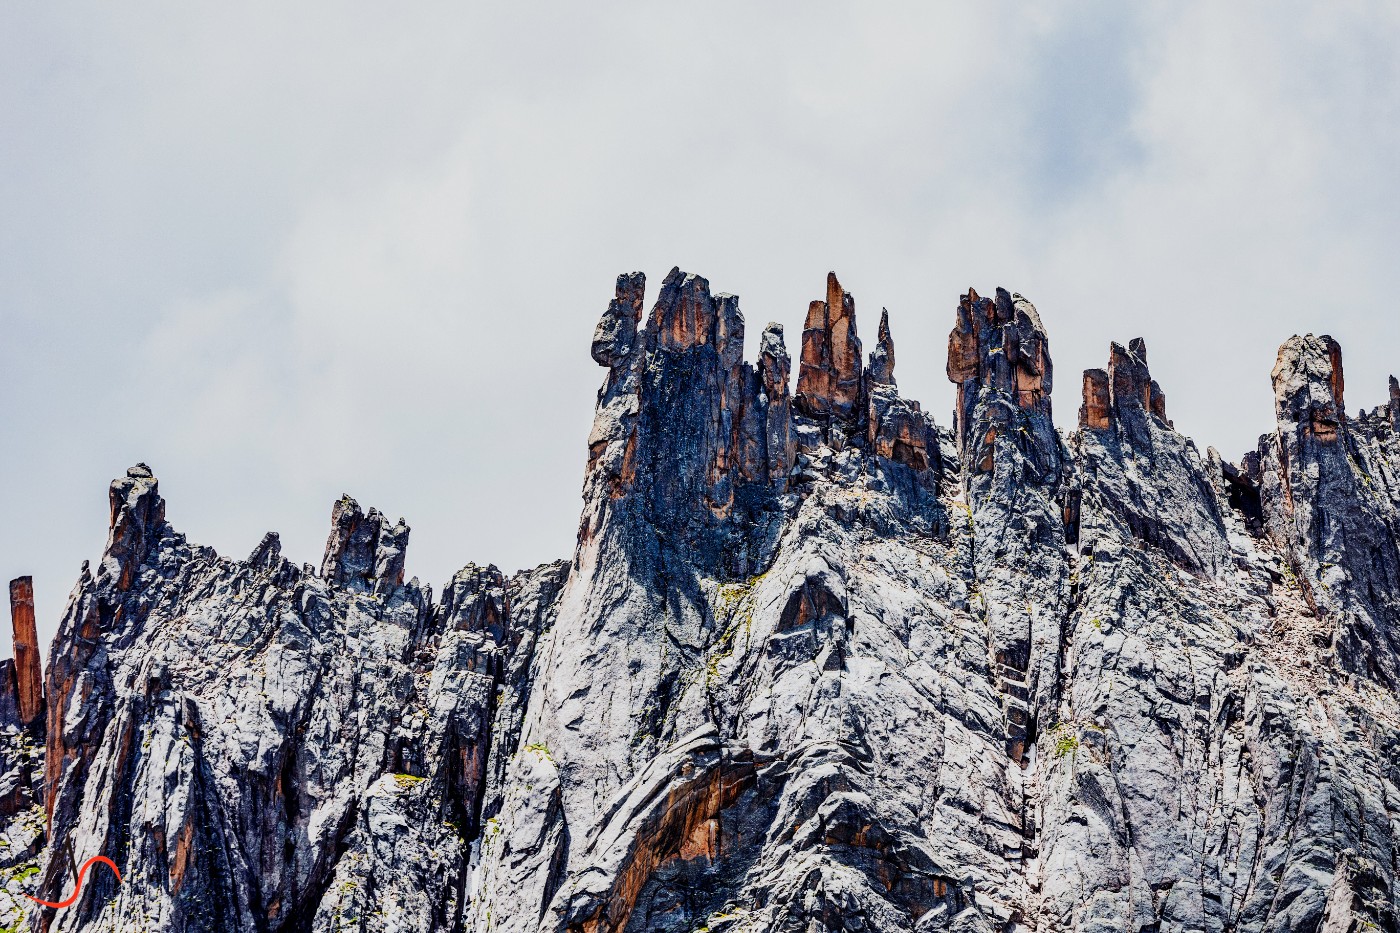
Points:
x=406, y=781
x=734, y=608
x=1066, y=742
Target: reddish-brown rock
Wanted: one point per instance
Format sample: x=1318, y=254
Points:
x=1157, y=401
x=829, y=376
x=998, y=353
x=964, y=360
x=898, y=430
x=1093, y=413
x=1126, y=387
x=29, y=676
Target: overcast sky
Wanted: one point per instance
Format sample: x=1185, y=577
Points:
x=285, y=251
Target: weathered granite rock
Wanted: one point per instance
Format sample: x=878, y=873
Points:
x=774, y=371
x=261, y=747
x=816, y=665
x=616, y=333
x=1146, y=478
x=998, y=356
x=689, y=439
x=363, y=551
x=1012, y=461
x=1331, y=498
x=896, y=428
x=21, y=825
x=9, y=695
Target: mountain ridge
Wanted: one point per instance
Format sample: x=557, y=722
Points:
x=817, y=663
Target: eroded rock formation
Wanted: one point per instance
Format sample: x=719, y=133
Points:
x=816, y=664
x=27, y=676
x=828, y=381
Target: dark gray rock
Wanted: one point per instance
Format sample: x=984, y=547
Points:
x=1331, y=498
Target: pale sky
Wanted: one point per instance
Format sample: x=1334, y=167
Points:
x=285, y=251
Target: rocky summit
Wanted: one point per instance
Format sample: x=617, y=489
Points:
x=817, y=663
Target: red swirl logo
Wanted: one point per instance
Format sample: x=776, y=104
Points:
x=78, y=875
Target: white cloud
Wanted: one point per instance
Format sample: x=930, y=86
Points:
x=285, y=253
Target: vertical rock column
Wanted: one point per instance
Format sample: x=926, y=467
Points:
x=1094, y=412
x=363, y=550
x=682, y=420
x=829, y=377
x=774, y=369
x=1123, y=392
x=895, y=428
x=999, y=358
x=29, y=675
x=1394, y=403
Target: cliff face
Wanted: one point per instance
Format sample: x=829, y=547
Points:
x=816, y=664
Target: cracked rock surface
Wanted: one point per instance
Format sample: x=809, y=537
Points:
x=817, y=663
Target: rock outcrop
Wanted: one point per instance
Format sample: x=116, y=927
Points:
x=1394, y=403
x=817, y=663
x=1147, y=479
x=1332, y=498
x=28, y=677
x=829, y=378
x=1012, y=464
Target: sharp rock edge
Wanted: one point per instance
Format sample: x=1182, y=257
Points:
x=817, y=663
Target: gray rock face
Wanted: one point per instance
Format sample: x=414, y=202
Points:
x=1332, y=499
x=816, y=664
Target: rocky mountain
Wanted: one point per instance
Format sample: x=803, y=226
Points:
x=818, y=663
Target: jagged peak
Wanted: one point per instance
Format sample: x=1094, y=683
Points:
x=364, y=551
x=1007, y=326
x=999, y=358
x=881, y=364
x=687, y=315
x=476, y=601
x=1309, y=385
x=772, y=342
x=616, y=333
x=1124, y=388
x=28, y=673
x=268, y=552
x=137, y=518
x=829, y=374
